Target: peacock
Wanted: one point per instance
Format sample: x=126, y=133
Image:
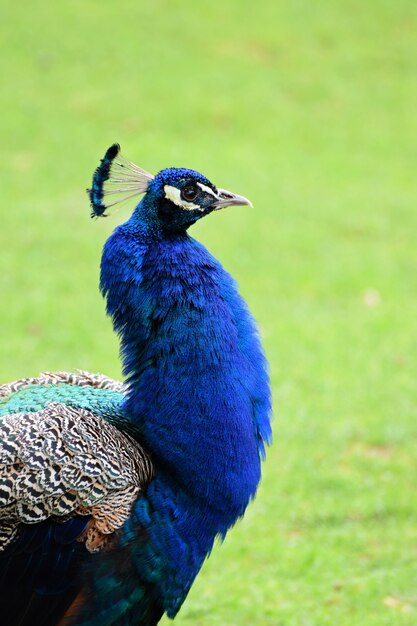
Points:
x=113, y=493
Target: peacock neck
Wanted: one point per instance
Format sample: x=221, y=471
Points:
x=168, y=298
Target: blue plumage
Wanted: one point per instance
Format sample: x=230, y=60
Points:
x=197, y=395
x=198, y=383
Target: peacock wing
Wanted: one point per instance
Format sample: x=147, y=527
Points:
x=69, y=475
x=61, y=461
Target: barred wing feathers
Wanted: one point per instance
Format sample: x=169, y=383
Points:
x=78, y=379
x=61, y=461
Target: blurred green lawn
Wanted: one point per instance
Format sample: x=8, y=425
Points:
x=309, y=109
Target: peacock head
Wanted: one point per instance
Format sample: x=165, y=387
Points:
x=176, y=197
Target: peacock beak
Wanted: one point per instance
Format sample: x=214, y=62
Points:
x=227, y=198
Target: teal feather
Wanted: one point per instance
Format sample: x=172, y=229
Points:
x=36, y=397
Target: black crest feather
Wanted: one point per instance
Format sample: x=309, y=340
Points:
x=116, y=175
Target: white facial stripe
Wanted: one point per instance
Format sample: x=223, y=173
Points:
x=206, y=189
x=174, y=194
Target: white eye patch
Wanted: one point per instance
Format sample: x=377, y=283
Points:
x=174, y=194
x=206, y=189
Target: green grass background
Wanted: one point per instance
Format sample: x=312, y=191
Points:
x=309, y=109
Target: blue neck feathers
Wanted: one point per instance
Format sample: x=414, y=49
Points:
x=197, y=376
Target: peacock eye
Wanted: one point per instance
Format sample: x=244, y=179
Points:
x=190, y=192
